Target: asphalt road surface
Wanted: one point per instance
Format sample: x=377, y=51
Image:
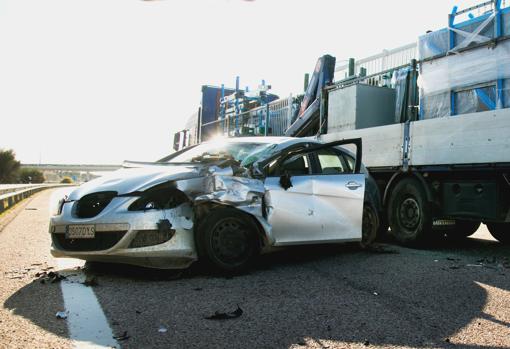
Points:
x=444, y=296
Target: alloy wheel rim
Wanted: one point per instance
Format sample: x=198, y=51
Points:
x=229, y=241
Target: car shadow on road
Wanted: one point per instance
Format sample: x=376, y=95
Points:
x=316, y=296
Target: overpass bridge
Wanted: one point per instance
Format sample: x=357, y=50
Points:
x=73, y=167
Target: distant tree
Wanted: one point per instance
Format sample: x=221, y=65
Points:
x=9, y=166
x=66, y=180
x=30, y=175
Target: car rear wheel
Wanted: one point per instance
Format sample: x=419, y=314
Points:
x=370, y=225
x=409, y=213
x=500, y=231
x=227, y=240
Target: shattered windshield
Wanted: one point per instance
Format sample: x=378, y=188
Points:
x=244, y=152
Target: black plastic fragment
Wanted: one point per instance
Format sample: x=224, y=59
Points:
x=226, y=316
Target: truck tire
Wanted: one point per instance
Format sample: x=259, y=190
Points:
x=462, y=229
x=500, y=232
x=227, y=240
x=409, y=214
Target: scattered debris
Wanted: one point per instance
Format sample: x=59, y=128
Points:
x=15, y=277
x=51, y=277
x=225, y=316
x=62, y=315
x=124, y=336
x=162, y=329
x=90, y=280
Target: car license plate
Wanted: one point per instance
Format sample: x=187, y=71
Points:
x=83, y=231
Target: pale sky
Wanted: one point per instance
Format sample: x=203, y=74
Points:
x=102, y=81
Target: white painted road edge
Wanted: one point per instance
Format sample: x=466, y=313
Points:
x=86, y=322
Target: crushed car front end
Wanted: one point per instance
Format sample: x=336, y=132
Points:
x=134, y=228
x=150, y=222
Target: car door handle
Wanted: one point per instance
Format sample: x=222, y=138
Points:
x=353, y=185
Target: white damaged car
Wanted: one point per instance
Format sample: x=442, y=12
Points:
x=221, y=202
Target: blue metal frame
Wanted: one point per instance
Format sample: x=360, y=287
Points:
x=451, y=45
x=489, y=103
x=498, y=31
x=236, y=123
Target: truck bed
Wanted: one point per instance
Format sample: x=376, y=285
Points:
x=476, y=138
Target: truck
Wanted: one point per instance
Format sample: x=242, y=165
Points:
x=437, y=141
x=434, y=120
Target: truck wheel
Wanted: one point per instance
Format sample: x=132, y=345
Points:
x=500, y=231
x=227, y=240
x=409, y=213
x=463, y=229
x=370, y=225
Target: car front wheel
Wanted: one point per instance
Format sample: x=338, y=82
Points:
x=227, y=240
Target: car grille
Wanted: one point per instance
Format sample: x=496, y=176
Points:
x=92, y=204
x=145, y=238
x=102, y=241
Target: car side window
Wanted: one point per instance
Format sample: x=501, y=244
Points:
x=331, y=162
x=295, y=165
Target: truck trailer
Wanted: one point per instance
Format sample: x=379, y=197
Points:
x=441, y=155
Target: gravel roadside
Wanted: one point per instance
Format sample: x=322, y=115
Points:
x=27, y=315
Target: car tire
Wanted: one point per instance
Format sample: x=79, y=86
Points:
x=462, y=229
x=369, y=226
x=500, y=232
x=227, y=240
x=409, y=214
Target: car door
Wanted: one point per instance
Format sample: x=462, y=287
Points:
x=322, y=205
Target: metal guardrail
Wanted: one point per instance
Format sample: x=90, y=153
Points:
x=10, y=194
x=11, y=188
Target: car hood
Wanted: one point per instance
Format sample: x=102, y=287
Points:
x=127, y=180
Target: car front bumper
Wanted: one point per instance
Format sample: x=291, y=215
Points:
x=116, y=229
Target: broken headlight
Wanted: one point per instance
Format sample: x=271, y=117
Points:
x=160, y=197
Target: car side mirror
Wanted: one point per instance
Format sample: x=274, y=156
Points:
x=285, y=181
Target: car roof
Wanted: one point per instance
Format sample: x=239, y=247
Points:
x=265, y=140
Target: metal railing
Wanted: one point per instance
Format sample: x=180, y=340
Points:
x=271, y=119
x=384, y=61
